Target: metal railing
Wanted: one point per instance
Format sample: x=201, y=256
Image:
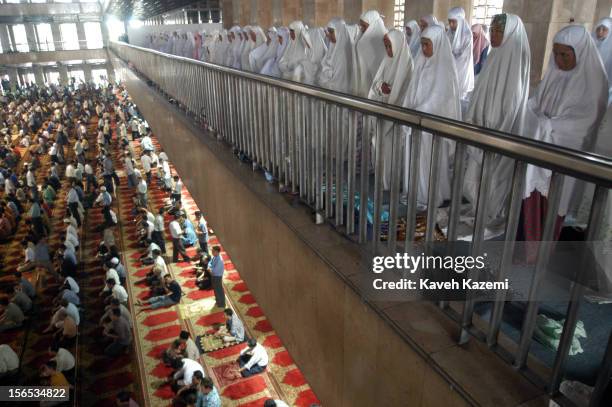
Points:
x=317, y=144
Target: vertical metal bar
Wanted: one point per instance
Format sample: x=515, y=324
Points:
x=310, y=134
x=328, y=160
x=432, y=192
x=276, y=120
x=554, y=197
x=294, y=145
x=351, y=172
x=364, y=179
x=413, y=188
x=378, y=182
x=479, y=229
x=320, y=148
x=301, y=144
x=396, y=166
x=514, y=214
x=598, y=206
x=338, y=129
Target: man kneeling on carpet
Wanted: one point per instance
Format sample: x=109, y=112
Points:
x=233, y=330
x=172, y=296
x=253, y=359
x=185, y=370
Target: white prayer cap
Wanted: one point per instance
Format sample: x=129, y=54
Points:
x=114, y=261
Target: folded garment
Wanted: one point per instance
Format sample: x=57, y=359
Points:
x=548, y=332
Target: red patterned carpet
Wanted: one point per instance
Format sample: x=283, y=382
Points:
x=196, y=313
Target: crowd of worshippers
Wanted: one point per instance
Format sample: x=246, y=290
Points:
x=479, y=74
x=41, y=125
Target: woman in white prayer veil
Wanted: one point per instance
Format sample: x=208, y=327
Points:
x=236, y=50
x=256, y=37
x=232, y=37
x=602, y=34
x=312, y=65
x=369, y=52
x=429, y=21
x=218, y=50
x=296, y=52
x=188, y=45
x=389, y=86
x=434, y=90
x=270, y=68
x=566, y=111
x=460, y=36
x=176, y=43
x=198, y=44
x=413, y=37
x=498, y=102
x=265, y=51
x=337, y=64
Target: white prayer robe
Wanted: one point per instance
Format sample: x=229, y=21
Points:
x=260, y=39
x=498, y=102
x=296, y=52
x=414, y=40
x=271, y=66
x=369, y=53
x=312, y=65
x=604, y=47
x=396, y=72
x=337, y=64
x=566, y=110
x=260, y=55
x=461, y=44
x=435, y=90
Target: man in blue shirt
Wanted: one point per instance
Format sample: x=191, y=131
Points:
x=208, y=396
x=217, y=268
x=202, y=231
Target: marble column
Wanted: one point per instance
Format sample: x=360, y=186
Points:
x=39, y=75
x=56, y=33
x=5, y=40
x=31, y=36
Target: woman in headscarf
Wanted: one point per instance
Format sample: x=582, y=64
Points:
x=197, y=46
x=337, y=64
x=498, y=102
x=480, y=48
x=565, y=110
x=413, y=37
x=429, y=21
x=603, y=39
x=256, y=38
x=233, y=43
x=460, y=37
x=260, y=55
x=219, y=49
x=389, y=86
x=176, y=43
x=236, y=47
x=434, y=90
x=369, y=52
x=312, y=65
x=296, y=52
x=271, y=66
x=188, y=43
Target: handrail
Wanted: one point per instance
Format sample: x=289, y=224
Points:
x=579, y=164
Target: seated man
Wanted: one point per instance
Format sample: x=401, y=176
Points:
x=9, y=363
x=191, y=349
x=253, y=359
x=184, y=373
x=233, y=330
x=66, y=333
x=172, y=296
x=125, y=400
x=121, y=335
x=275, y=403
x=26, y=285
x=12, y=317
x=117, y=291
x=208, y=395
x=105, y=320
x=64, y=360
x=184, y=395
x=175, y=351
x=21, y=299
x=52, y=376
x=65, y=309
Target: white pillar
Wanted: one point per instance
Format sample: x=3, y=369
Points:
x=32, y=38
x=5, y=40
x=39, y=75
